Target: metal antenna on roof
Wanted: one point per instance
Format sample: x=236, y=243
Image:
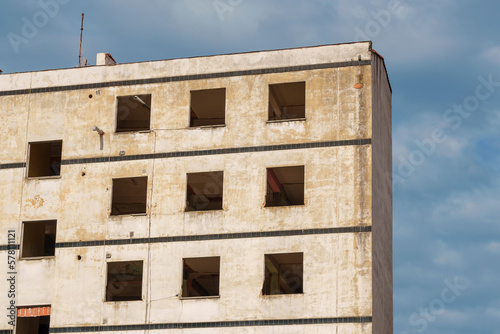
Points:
x=81, y=37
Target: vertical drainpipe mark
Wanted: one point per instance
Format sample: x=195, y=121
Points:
x=101, y=134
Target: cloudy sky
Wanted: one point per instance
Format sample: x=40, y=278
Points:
x=443, y=59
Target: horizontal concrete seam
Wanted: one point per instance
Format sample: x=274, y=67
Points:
x=233, y=150
x=214, y=324
x=13, y=165
x=187, y=77
x=205, y=237
x=8, y=247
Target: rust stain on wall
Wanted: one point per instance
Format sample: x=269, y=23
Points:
x=36, y=202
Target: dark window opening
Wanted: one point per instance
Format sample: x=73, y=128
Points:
x=33, y=325
x=201, y=277
x=134, y=113
x=204, y=191
x=45, y=159
x=208, y=107
x=285, y=186
x=129, y=196
x=287, y=101
x=39, y=238
x=283, y=274
x=124, y=281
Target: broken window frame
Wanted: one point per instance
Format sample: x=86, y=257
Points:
x=192, y=112
x=22, y=317
x=272, y=97
x=51, y=248
x=275, y=188
x=145, y=105
x=118, y=284
x=112, y=203
x=54, y=167
x=185, y=291
x=281, y=285
x=195, y=197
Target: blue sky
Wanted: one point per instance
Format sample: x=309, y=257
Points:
x=440, y=55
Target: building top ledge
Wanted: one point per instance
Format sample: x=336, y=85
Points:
x=332, y=53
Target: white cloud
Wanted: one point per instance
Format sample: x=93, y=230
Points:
x=454, y=316
x=494, y=312
x=453, y=147
x=492, y=55
x=461, y=149
x=446, y=256
x=477, y=206
x=494, y=247
x=415, y=31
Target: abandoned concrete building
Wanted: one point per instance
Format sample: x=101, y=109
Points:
x=240, y=193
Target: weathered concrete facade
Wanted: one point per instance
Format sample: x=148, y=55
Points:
x=343, y=229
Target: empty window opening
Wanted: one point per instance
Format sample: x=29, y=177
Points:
x=134, y=113
x=39, y=238
x=124, y=281
x=33, y=320
x=285, y=186
x=45, y=159
x=283, y=274
x=201, y=277
x=129, y=196
x=204, y=191
x=287, y=101
x=208, y=107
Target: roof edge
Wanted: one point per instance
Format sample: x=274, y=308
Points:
x=376, y=54
x=194, y=57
